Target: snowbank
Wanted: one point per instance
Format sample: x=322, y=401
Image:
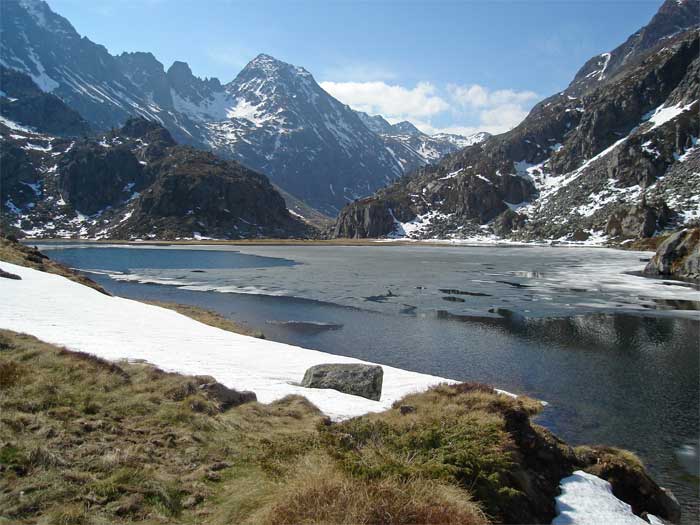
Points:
x=63, y=312
x=586, y=499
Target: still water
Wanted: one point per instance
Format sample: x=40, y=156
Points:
x=615, y=355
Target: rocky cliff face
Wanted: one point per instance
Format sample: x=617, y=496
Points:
x=611, y=158
x=135, y=182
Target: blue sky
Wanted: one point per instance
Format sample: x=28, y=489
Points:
x=446, y=65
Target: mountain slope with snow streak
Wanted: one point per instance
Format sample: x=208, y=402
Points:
x=273, y=117
x=613, y=161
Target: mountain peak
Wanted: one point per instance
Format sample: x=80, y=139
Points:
x=405, y=127
x=270, y=66
x=179, y=70
x=41, y=14
x=673, y=17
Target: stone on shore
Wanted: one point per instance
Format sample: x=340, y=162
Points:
x=355, y=379
x=677, y=256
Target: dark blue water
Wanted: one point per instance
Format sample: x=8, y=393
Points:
x=622, y=372
x=127, y=259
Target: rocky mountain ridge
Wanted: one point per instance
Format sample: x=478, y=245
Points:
x=412, y=147
x=273, y=117
x=611, y=158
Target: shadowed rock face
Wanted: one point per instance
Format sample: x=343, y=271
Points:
x=678, y=256
x=41, y=111
x=620, y=140
x=355, y=379
x=92, y=177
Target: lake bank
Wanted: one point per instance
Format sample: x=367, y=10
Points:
x=51, y=304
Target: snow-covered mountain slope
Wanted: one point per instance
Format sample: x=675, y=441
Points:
x=273, y=117
x=102, y=88
x=619, y=161
x=135, y=182
x=413, y=148
x=276, y=119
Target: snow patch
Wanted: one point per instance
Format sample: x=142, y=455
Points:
x=586, y=499
x=666, y=114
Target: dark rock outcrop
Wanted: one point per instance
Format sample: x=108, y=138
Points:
x=677, y=256
x=93, y=177
x=355, y=379
x=638, y=221
x=358, y=222
x=226, y=397
x=506, y=222
x=8, y=275
x=135, y=182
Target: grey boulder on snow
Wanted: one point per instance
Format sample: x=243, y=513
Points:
x=355, y=379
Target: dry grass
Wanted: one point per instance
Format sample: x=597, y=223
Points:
x=84, y=440
x=453, y=434
x=128, y=442
x=88, y=441
x=321, y=493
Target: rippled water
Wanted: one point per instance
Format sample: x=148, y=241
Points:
x=615, y=354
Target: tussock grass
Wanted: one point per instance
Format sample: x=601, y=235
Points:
x=124, y=440
x=319, y=492
x=454, y=435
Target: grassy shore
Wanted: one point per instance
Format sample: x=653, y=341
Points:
x=84, y=440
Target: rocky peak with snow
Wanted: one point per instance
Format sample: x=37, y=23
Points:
x=609, y=159
x=406, y=128
x=189, y=87
x=673, y=17
x=411, y=146
x=376, y=123
x=147, y=73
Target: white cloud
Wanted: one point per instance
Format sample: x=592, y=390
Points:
x=454, y=109
x=392, y=101
x=476, y=96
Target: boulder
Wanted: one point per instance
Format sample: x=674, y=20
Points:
x=636, y=222
x=508, y=221
x=227, y=397
x=678, y=255
x=355, y=379
x=8, y=275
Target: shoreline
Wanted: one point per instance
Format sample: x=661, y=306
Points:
x=333, y=242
